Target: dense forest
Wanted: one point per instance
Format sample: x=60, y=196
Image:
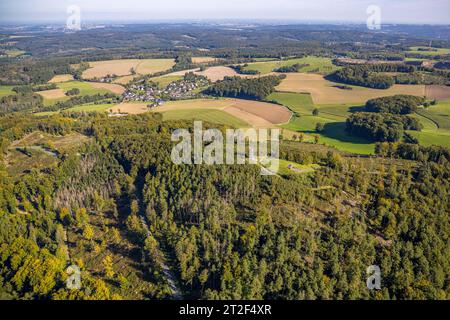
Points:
x=381, y=126
x=226, y=231
x=399, y=104
x=236, y=87
x=362, y=76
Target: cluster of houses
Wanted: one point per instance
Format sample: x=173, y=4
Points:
x=185, y=89
x=177, y=90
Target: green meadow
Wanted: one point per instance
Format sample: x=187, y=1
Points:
x=208, y=115
x=434, y=52
x=165, y=81
x=85, y=89
x=333, y=118
x=316, y=65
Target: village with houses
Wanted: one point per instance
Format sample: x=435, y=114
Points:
x=146, y=90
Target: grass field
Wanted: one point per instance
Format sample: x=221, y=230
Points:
x=255, y=113
x=316, y=65
x=103, y=107
x=432, y=137
x=300, y=103
x=123, y=67
x=6, y=91
x=438, y=51
x=332, y=116
x=86, y=88
x=213, y=116
x=439, y=113
x=436, y=122
x=165, y=81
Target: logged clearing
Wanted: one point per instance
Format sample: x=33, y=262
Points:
x=114, y=88
x=327, y=92
x=41, y=151
x=438, y=92
x=124, y=67
x=61, y=78
x=203, y=59
x=52, y=94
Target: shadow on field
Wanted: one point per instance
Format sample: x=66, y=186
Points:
x=357, y=109
x=336, y=130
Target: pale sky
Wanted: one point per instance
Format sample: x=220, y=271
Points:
x=399, y=11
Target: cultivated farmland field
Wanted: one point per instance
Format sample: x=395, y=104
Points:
x=123, y=67
x=254, y=113
x=61, y=78
x=86, y=88
x=208, y=115
x=212, y=73
x=438, y=92
x=218, y=73
x=203, y=59
x=327, y=92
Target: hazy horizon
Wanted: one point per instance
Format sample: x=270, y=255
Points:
x=320, y=11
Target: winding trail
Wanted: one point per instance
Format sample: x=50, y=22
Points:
x=165, y=264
